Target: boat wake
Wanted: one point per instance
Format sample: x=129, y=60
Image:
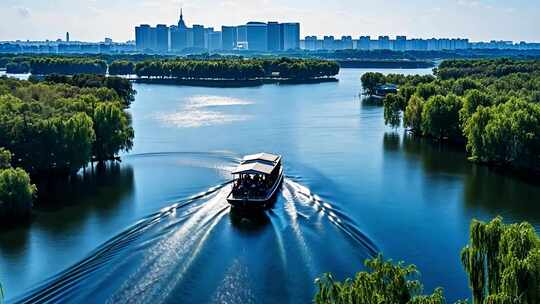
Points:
x=200, y=243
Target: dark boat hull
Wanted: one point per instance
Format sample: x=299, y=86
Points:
x=249, y=204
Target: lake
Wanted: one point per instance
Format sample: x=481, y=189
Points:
x=157, y=228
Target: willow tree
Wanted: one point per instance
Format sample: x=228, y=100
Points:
x=5, y=158
x=393, y=105
x=384, y=282
x=370, y=81
x=412, y=118
x=503, y=262
x=113, y=131
x=16, y=194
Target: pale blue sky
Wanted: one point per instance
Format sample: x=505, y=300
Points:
x=95, y=19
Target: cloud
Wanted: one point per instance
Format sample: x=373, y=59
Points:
x=475, y=4
x=23, y=12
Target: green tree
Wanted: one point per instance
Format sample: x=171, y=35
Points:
x=426, y=90
x=16, y=193
x=413, y=114
x=471, y=102
x=508, y=134
x=384, y=282
x=5, y=159
x=78, y=137
x=440, y=116
x=393, y=105
x=503, y=262
x=113, y=131
x=370, y=81
x=406, y=91
x=121, y=67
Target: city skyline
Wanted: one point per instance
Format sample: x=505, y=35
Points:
x=93, y=20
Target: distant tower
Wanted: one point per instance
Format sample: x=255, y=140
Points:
x=67, y=37
x=181, y=23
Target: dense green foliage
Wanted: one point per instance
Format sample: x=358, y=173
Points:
x=370, y=81
x=454, y=69
x=384, y=282
x=5, y=159
x=503, y=263
x=121, y=86
x=59, y=128
x=112, y=133
x=122, y=67
x=491, y=105
x=67, y=66
x=237, y=69
x=16, y=191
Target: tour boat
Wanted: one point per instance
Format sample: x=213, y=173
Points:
x=256, y=181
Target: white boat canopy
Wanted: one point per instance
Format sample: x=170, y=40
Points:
x=254, y=168
x=267, y=157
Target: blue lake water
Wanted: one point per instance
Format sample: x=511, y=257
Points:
x=156, y=228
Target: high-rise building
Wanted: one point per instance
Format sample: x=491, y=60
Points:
x=179, y=39
x=215, y=41
x=198, y=36
x=291, y=36
x=181, y=36
x=67, y=37
x=329, y=43
x=401, y=43
x=433, y=44
x=418, y=45
x=346, y=43
x=228, y=37
x=241, y=32
x=143, y=37
x=207, y=33
x=274, y=37
x=257, y=36
x=384, y=43
x=311, y=43
x=364, y=43
x=162, y=38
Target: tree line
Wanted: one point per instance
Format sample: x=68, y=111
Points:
x=502, y=262
x=67, y=66
x=234, y=69
x=492, y=106
x=55, y=129
x=121, y=86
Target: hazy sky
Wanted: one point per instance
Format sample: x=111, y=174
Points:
x=93, y=20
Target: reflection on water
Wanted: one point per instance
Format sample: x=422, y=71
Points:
x=491, y=190
x=97, y=193
x=206, y=101
x=200, y=111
